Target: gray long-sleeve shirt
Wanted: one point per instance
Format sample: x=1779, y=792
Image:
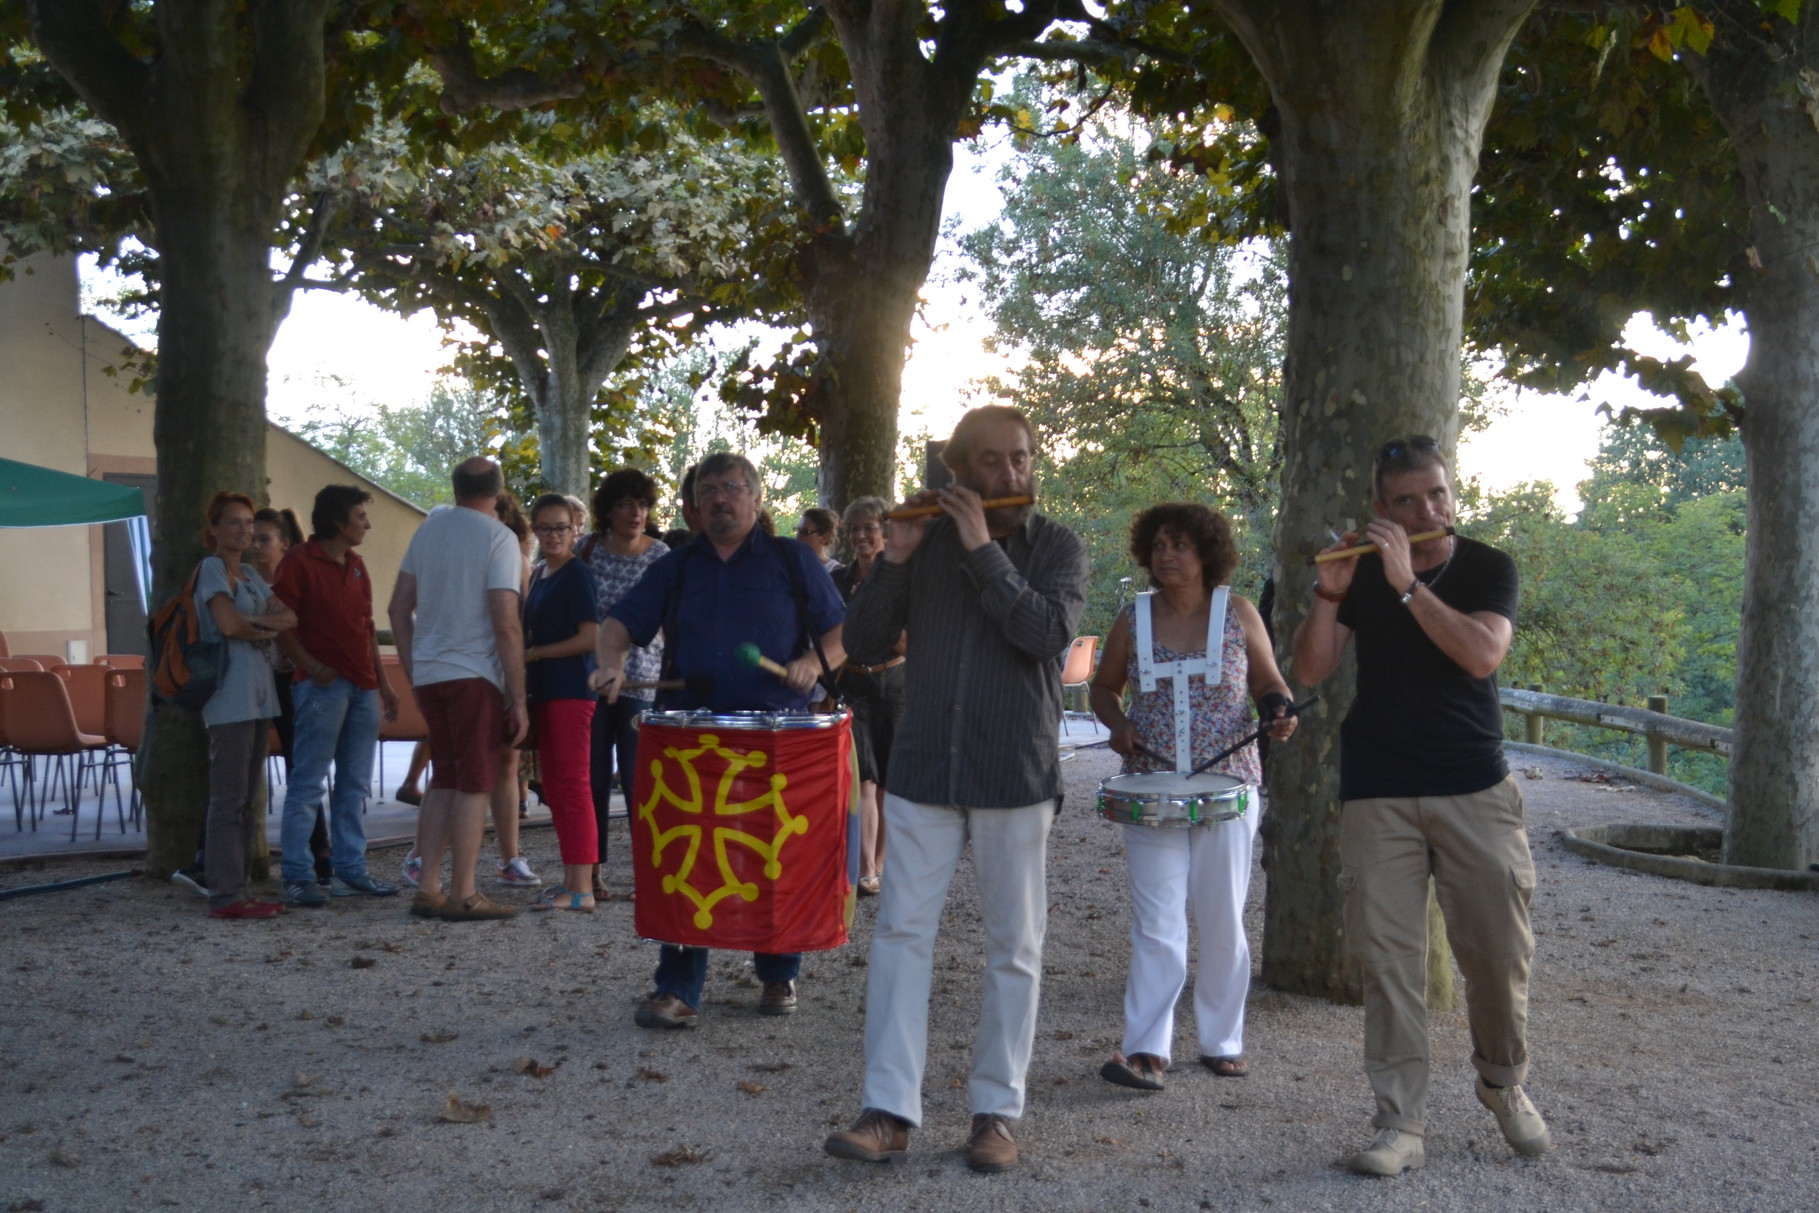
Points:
x=988, y=635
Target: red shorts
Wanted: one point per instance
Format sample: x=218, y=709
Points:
x=466, y=718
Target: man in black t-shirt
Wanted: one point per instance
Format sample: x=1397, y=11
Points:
x=1425, y=792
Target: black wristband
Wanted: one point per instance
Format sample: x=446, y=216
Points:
x=1409, y=593
x=1269, y=702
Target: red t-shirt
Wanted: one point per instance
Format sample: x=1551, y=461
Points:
x=334, y=605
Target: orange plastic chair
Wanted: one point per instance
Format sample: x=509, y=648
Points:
x=9, y=664
x=4, y=651
x=40, y=721
x=13, y=763
x=87, y=695
x=45, y=660
x=125, y=730
x=410, y=725
x=120, y=661
x=1078, y=671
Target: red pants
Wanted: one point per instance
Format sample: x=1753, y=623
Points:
x=564, y=750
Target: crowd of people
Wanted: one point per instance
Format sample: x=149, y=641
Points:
x=533, y=641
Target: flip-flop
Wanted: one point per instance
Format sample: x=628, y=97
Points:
x=1120, y=1071
x=1227, y=1067
x=551, y=898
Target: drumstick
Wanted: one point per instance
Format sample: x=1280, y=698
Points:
x=989, y=503
x=1149, y=753
x=748, y=654
x=1294, y=709
x=701, y=684
x=1366, y=548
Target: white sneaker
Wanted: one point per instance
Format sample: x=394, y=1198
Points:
x=1522, y=1126
x=191, y=880
x=412, y=872
x=518, y=872
x=1391, y=1152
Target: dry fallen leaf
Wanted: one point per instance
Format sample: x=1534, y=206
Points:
x=1108, y=1141
x=361, y=962
x=437, y=1038
x=458, y=1113
x=650, y=1075
x=679, y=1156
x=1064, y=1036
x=770, y=1067
x=752, y=1088
x=533, y=1067
x=64, y=1158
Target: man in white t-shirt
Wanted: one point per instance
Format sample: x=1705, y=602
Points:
x=454, y=615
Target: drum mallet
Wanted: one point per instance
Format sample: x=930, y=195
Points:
x=1294, y=709
x=748, y=654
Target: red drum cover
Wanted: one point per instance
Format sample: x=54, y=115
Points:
x=739, y=835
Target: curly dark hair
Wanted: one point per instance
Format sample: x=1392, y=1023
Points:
x=1209, y=532
x=626, y=482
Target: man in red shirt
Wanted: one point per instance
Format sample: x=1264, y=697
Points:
x=337, y=697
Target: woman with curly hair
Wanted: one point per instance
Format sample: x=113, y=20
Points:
x=1188, y=552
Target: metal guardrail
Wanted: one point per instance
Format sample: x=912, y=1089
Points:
x=1652, y=723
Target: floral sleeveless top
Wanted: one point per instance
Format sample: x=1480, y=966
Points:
x=1221, y=714
x=613, y=576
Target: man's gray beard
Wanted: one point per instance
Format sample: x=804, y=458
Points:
x=1008, y=518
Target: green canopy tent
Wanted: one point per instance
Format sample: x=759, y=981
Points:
x=35, y=496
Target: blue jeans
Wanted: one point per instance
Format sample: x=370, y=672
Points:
x=338, y=722
x=683, y=971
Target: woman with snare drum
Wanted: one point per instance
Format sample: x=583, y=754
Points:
x=1188, y=552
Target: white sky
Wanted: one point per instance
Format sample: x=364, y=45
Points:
x=337, y=351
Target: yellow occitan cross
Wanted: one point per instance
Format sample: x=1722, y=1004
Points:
x=692, y=800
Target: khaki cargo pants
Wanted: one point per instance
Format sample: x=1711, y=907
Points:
x=1476, y=849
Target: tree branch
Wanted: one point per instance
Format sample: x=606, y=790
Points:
x=74, y=35
x=764, y=64
x=464, y=89
x=285, y=94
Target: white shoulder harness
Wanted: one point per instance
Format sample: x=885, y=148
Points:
x=1211, y=666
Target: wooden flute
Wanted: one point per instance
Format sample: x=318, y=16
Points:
x=1364, y=549
x=989, y=503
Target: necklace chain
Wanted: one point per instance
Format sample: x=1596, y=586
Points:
x=1452, y=546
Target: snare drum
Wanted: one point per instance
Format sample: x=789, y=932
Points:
x=739, y=826
x=1172, y=799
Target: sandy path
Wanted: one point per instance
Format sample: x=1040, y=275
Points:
x=153, y=1058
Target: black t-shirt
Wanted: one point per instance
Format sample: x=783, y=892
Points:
x=1421, y=725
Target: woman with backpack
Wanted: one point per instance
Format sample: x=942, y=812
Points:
x=235, y=606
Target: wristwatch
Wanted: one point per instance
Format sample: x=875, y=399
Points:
x=1410, y=592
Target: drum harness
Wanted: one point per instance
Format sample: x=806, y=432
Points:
x=1210, y=665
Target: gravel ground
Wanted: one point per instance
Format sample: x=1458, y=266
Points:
x=154, y=1058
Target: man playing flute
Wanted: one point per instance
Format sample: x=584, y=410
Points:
x=1424, y=790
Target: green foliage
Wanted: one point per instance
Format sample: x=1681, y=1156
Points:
x=1640, y=596
x=411, y=451
x=1149, y=364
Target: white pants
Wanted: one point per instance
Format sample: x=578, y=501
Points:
x=1010, y=857
x=1207, y=868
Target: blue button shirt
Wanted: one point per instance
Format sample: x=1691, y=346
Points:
x=722, y=604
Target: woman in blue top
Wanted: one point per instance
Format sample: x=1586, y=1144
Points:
x=236, y=605
x=560, y=621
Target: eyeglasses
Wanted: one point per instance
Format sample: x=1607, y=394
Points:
x=1398, y=448
x=803, y=532
x=552, y=530
x=730, y=489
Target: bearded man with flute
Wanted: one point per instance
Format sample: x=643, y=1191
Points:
x=1425, y=791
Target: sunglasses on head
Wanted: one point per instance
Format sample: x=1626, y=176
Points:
x=1397, y=448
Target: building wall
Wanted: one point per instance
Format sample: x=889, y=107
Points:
x=59, y=408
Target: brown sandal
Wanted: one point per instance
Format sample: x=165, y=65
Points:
x=1227, y=1067
x=1141, y=1072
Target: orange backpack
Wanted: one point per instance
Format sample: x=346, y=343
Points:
x=186, y=669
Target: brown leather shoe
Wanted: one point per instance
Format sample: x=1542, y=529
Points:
x=875, y=1137
x=779, y=998
x=664, y=1010
x=991, y=1147
x=428, y=905
x=477, y=908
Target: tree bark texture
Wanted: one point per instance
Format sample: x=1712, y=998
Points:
x=862, y=278
x=1383, y=109
x=218, y=115
x=1762, y=75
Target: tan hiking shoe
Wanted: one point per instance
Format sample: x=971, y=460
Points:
x=477, y=908
x=779, y=998
x=428, y=905
x=875, y=1137
x=991, y=1147
x=1522, y=1126
x=1391, y=1152
x=663, y=1010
